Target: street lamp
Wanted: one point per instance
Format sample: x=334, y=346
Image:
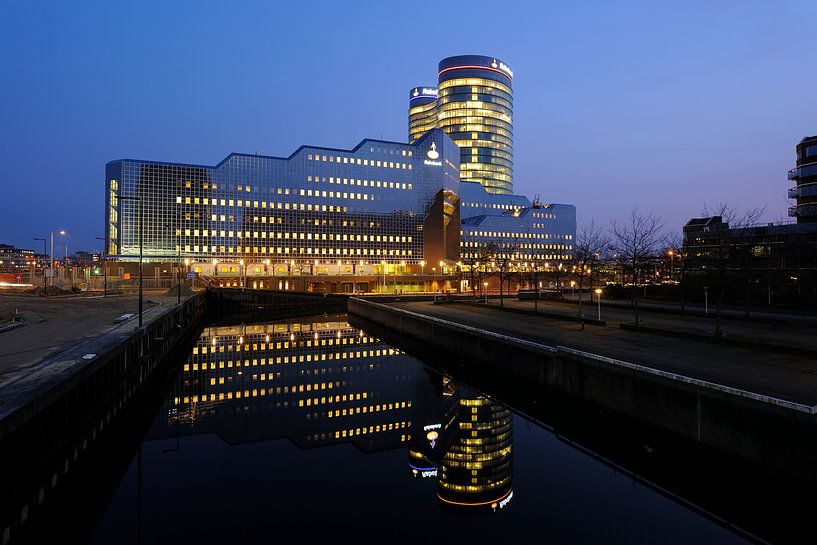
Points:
x=383, y=266
x=62, y=232
x=598, y=300
x=485, y=286
x=139, y=199
x=104, y=269
x=45, y=252
x=242, y=272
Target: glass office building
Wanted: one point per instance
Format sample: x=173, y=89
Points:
x=422, y=111
x=474, y=107
x=512, y=224
x=378, y=202
x=446, y=196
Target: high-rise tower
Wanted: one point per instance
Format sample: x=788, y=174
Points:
x=474, y=105
x=422, y=111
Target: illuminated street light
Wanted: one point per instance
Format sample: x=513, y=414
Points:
x=598, y=300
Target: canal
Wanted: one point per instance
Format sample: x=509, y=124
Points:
x=312, y=429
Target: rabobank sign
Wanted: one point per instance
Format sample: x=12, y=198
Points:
x=424, y=93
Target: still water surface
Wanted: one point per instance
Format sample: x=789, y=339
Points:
x=311, y=429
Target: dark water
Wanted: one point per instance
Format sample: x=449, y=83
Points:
x=313, y=430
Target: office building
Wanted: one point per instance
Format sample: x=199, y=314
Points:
x=378, y=202
x=380, y=208
x=474, y=106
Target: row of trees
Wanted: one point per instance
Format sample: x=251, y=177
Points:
x=632, y=247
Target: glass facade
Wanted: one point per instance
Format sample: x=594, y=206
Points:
x=444, y=196
x=368, y=204
x=529, y=231
x=422, y=111
x=474, y=107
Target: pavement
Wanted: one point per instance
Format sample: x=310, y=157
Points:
x=54, y=323
x=728, y=312
x=767, y=372
x=794, y=333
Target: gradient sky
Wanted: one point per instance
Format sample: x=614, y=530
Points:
x=663, y=105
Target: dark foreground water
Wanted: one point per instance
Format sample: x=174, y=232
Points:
x=310, y=429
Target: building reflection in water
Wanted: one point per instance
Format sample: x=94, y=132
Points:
x=320, y=382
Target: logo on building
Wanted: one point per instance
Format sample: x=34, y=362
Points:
x=416, y=92
x=433, y=156
x=493, y=63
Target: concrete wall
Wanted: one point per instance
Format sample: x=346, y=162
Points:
x=54, y=419
x=776, y=433
x=229, y=300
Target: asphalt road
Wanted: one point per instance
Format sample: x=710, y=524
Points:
x=54, y=322
x=788, y=377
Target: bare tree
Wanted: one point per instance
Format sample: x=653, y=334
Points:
x=535, y=274
x=591, y=243
x=504, y=257
x=721, y=256
x=477, y=263
x=636, y=242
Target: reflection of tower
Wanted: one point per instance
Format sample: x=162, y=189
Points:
x=476, y=472
x=435, y=424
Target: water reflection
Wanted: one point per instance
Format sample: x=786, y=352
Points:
x=319, y=382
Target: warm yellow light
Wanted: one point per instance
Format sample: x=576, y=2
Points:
x=598, y=291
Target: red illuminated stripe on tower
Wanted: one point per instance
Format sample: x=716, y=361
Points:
x=472, y=67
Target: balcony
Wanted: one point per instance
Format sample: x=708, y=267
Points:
x=803, y=210
x=807, y=190
x=793, y=174
x=793, y=212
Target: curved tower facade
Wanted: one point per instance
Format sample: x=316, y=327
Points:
x=422, y=111
x=475, y=108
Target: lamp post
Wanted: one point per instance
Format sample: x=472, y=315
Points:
x=104, y=270
x=45, y=252
x=62, y=232
x=598, y=300
x=706, y=301
x=242, y=270
x=423, y=272
x=485, y=286
x=187, y=270
x=178, y=264
x=383, y=267
x=139, y=200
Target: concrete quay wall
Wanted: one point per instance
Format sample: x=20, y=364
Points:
x=57, y=414
x=776, y=433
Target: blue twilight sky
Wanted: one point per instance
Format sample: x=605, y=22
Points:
x=664, y=105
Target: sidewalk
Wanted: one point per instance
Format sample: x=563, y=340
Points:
x=773, y=373
x=782, y=334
